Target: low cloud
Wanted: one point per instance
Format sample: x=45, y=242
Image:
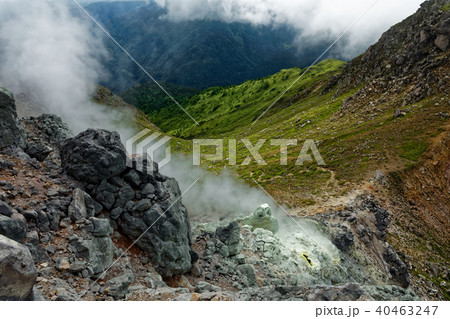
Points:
x=315, y=21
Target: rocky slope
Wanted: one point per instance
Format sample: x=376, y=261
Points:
x=407, y=67
x=407, y=64
x=46, y=205
x=71, y=211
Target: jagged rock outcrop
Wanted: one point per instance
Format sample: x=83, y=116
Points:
x=144, y=207
x=17, y=271
x=45, y=134
x=364, y=223
x=161, y=223
x=408, y=51
x=94, y=155
x=397, y=267
x=11, y=132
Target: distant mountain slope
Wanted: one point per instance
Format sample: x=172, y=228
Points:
x=106, y=11
x=131, y=116
x=197, y=54
x=149, y=97
x=222, y=110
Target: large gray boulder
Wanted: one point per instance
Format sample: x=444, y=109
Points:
x=145, y=206
x=11, y=132
x=17, y=272
x=94, y=155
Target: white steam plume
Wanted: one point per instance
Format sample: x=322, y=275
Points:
x=217, y=197
x=214, y=196
x=47, y=52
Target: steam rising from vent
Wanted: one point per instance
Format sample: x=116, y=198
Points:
x=216, y=197
x=53, y=58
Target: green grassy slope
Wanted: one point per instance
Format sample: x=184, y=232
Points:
x=353, y=145
x=224, y=110
x=149, y=97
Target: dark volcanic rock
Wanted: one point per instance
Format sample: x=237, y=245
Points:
x=105, y=194
x=13, y=228
x=94, y=155
x=18, y=274
x=38, y=151
x=397, y=267
x=158, y=217
x=164, y=228
x=48, y=128
x=5, y=210
x=11, y=132
x=344, y=240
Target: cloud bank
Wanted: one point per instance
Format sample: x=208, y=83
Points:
x=316, y=21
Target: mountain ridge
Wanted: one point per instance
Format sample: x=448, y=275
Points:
x=197, y=54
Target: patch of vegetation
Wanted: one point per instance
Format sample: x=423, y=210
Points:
x=446, y=7
x=149, y=97
x=413, y=150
